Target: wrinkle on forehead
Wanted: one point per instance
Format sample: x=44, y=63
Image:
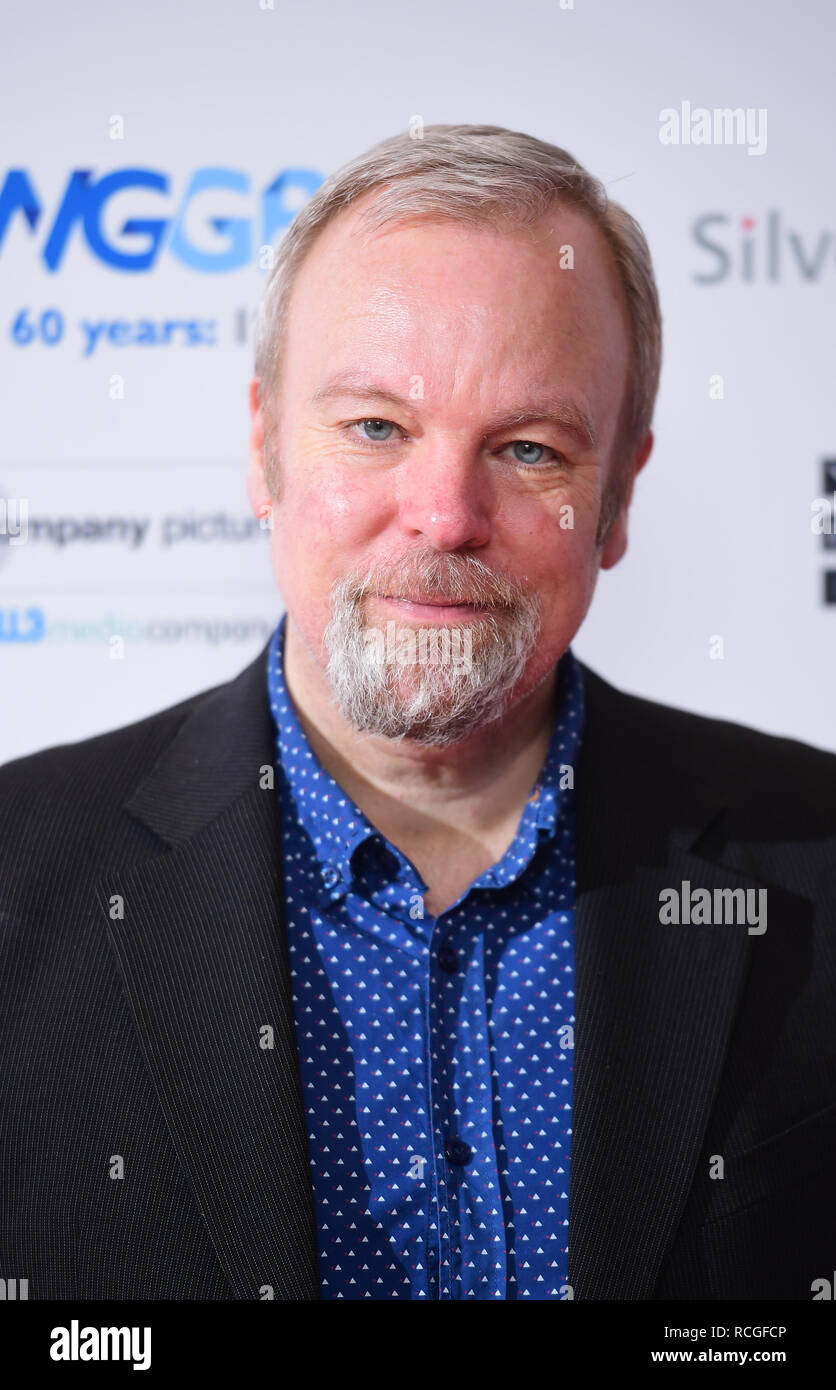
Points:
x=476, y=314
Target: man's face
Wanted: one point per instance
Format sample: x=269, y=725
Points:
x=404, y=361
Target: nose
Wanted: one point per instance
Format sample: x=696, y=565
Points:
x=445, y=497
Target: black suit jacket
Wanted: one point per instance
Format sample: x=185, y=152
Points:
x=142, y=951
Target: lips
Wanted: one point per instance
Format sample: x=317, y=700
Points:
x=425, y=602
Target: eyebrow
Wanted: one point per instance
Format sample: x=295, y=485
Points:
x=556, y=409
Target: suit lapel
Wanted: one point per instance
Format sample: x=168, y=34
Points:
x=201, y=951
x=654, y=1003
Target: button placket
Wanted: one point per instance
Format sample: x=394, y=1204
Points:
x=448, y=958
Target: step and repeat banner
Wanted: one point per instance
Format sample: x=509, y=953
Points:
x=151, y=153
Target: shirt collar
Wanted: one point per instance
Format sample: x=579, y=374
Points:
x=336, y=825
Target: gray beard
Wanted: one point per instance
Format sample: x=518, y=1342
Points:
x=450, y=682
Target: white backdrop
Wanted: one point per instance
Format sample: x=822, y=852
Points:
x=138, y=521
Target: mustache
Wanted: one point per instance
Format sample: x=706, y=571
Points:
x=435, y=576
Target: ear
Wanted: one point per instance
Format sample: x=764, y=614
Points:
x=616, y=542
x=258, y=490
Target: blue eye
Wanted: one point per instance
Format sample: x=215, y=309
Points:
x=376, y=424
x=528, y=444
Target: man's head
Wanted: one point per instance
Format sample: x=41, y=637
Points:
x=457, y=359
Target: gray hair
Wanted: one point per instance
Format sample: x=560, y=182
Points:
x=482, y=175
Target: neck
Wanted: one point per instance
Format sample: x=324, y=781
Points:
x=480, y=776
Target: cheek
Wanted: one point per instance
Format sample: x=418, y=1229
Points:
x=328, y=506
x=552, y=541
x=319, y=523
x=553, y=550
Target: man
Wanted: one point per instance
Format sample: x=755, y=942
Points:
x=418, y=962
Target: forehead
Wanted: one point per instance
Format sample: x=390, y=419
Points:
x=473, y=310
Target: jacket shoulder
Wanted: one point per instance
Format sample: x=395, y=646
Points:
x=746, y=764
x=87, y=779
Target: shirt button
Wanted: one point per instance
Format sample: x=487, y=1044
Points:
x=330, y=876
x=448, y=959
x=458, y=1152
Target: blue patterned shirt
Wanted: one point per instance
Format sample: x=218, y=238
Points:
x=435, y=1053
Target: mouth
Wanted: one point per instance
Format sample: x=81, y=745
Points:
x=433, y=609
